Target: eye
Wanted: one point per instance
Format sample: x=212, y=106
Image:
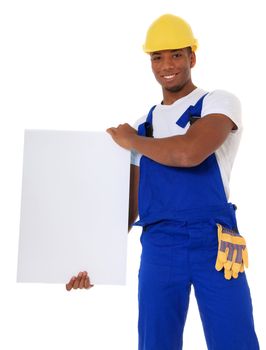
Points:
x=155, y=58
x=177, y=55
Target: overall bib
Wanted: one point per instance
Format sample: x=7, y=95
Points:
x=178, y=210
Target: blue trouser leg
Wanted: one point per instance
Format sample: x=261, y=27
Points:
x=163, y=309
x=163, y=293
x=172, y=259
x=225, y=306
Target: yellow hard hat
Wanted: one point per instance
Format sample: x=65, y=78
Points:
x=169, y=32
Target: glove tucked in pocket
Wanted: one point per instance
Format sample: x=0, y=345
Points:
x=232, y=252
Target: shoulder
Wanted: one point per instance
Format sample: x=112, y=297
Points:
x=223, y=102
x=222, y=98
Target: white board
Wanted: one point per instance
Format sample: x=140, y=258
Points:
x=74, y=207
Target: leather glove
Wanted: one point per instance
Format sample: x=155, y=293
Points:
x=232, y=252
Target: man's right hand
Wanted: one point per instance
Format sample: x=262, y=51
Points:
x=81, y=281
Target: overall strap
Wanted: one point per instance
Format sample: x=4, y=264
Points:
x=145, y=129
x=191, y=114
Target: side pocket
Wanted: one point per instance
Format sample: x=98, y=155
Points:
x=232, y=253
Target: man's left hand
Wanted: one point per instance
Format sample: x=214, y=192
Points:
x=123, y=135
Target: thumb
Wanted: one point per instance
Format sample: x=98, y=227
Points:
x=111, y=131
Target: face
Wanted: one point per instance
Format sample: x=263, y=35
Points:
x=171, y=68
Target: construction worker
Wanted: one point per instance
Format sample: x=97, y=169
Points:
x=182, y=155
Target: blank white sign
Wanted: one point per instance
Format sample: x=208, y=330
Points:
x=74, y=208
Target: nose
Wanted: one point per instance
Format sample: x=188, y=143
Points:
x=167, y=63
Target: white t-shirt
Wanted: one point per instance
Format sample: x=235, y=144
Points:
x=216, y=102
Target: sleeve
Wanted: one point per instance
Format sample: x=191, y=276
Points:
x=135, y=156
x=223, y=102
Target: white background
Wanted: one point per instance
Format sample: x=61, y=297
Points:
x=78, y=65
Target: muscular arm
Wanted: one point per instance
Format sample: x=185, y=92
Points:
x=133, y=195
x=202, y=139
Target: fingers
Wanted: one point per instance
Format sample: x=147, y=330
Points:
x=227, y=274
x=69, y=285
x=80, y=281
x=245, y=256
x=236, y=269
x=242, y=269
x=218, y=265
x=77, y=281
x=111, y=131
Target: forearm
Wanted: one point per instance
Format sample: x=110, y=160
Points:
x=133, y=195
x=188, y=150
x=171, y=151
x=131, y=221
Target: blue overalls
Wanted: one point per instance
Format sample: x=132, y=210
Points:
x=179, y=209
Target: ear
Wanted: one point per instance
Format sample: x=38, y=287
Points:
x=192, y=59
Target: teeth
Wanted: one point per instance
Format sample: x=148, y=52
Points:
x=169, y=76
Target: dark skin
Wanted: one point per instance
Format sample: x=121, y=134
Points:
x=172, y=70
x=81, y=281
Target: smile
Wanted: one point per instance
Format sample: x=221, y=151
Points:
x=169, y=77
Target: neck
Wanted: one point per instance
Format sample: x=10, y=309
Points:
x=169, y=97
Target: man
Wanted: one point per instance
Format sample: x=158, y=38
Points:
x=182, y=155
